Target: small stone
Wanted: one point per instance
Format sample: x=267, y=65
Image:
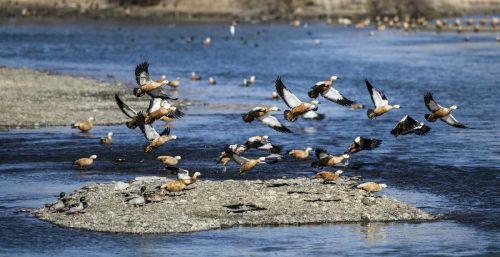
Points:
x=368, y=201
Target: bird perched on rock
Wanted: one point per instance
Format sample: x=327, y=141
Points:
x=85, y=125
x=300, y=154
x=107, y=140
x=440, y=112
x=379, y=100
x=328, y=176
x=85, y=162
x=361, y=143
x=144, y=80
x=297, y=107
x=155, y=139
x=169, y=160
x=60, y=205
x=325, y=159
x=371, y=187
x=263, y=114
x=408, y=125
x=78, y=207
x=326, y=89
x=183, y=180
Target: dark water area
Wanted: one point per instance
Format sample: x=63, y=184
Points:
x=450, y=171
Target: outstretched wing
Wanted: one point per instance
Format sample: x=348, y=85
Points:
x=274, y=123
x=131, y=113
x=288, y=97
x=181, y=173
x=154, y=104
x=335, y=96
x=450, y=120
x=409, y=125
x=378, y=97
x=142, y=76
x=430, y=103
x=148, y=131
x=370, y=144
x=317, y=89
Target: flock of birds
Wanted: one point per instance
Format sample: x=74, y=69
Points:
x=161, y=107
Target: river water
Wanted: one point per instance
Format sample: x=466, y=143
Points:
x=453, y=172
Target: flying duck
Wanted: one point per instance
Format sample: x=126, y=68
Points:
x=325, y=89
x=211, y=81
x=144, y=80
x=262, y=113
x=169, y=160
x=78, y=207
x=328, y=176
x=297, y=107
x=225, y=157
x=108, y=139
x=129, y=112
x=195, y=77
x=361, y=143
x=325, y=159
x=155, y=139
x=439, y=112
x=248, y=164
x=300, y=154
x=60, y=205
x=85, y=125
x=408, y=125
x=379, y=100
x=159, y=107
x=371, y=187
x=85, y=162
x=261, y=143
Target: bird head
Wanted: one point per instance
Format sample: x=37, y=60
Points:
x=177, y=157
x=274, y=109
x=265, y=137
x=454, y=107
x=383, y=185
x=333, y=78
x=315, y=102
x=90, y=119
x=173, y=136
x=196, y=174
x=110, y=134
x=346, y=156
x=396, y=106
x=93, y=157
x=262, y=159
x=309, y=149
x=339, y=172
x=357, y=139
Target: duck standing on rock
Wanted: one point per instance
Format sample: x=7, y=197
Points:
x=371, y=187
x=60, y=205
x=325, y=159
x=183, y=180
x=85, y=125
x=263, y=114
x=169, y=160
x=300, y=154
x=325, y=89
x=85, y=162
x=155, y=139
x=408, y=125
x=143, y=79
x=107, y=140
x=379, y=100
x=297, y=107
x=440, y=112
x=78, y=207
x=361, y=143
x=328, y=176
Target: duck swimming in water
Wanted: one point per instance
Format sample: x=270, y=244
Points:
x=379, y=100
x=440, y=112
x=195, y=77
x=155, y=139
x=328, y=176
x=361, y=143
x=408, y=125
x=325, y=89
x=297, y=107
x=107, y=140
x=325, y=159
x=85, y=162
x=144, y=80
x=85, y=125
x=300, y=154
x=263, y=114
x=169, y=160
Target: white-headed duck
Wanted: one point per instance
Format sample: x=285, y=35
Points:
x=85, y=162
x=328, y=176
x=107, y=140
x=85, y=125
x=300, y=154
